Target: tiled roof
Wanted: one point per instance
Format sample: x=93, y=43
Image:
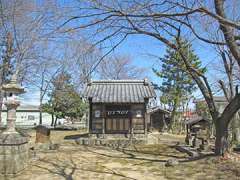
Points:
x=195, y=119
x=119, y=91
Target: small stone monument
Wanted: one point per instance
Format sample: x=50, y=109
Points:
x=13, y=146
x=42, y=134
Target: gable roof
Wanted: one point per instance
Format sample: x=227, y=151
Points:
x=119, y=91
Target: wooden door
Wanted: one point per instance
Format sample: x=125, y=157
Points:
x=117, y=125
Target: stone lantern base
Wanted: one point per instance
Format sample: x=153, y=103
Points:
x=13, y=153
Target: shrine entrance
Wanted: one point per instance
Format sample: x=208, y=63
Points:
x=118, y=119
x=117, y=125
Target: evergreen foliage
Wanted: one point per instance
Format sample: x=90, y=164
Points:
x=177, y=85
x=64, y=101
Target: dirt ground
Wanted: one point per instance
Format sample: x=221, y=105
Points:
x=147, y=162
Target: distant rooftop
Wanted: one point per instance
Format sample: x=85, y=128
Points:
x=119, y=91
x=216, y=99
x=32, y=108
x=157, y=109
x=196, y=119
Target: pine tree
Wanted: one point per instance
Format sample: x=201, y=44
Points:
x=64, y=101
x=177, y=85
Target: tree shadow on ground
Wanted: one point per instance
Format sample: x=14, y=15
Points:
x=157, y=153
x=130, y=155
x=200, y=157
x=190, y=158
x=76, y=136
x=162, y=157
x=60, y=167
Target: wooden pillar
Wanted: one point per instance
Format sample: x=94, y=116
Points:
x=104, y=120
x=145, y=118
x=131, y=123
x=90, y=115
x=150, y=120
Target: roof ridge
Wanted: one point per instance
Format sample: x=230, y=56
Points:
x=122, y=80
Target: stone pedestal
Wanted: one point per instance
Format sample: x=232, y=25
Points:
x=13, y=153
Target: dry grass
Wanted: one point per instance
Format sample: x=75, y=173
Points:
x=77, y=162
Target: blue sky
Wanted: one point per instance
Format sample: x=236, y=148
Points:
x=140, y=48
x=143, y=50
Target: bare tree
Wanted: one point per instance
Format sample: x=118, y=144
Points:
x=119, y=67
x=228, y=89
x=45, y=71
x=166, y=21
x=29, y=25
x=5, y=66
x=78, y=59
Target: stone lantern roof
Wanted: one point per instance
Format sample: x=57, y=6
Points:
x=13, y=86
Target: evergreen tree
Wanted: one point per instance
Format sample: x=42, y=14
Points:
x=64, y=101
x=177, y=85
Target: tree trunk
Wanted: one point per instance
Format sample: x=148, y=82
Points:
x=172, y=119
x=40, y=116
x=1, y=104
x=52, y=120
x=55, y=123
x=173, y=114
x=221, y=142
x=40, y=112
x=236, y=129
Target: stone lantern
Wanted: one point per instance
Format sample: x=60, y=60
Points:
x=13, y=145
x=12, y=90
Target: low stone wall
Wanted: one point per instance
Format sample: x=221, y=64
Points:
x=116, y=143
x=118, y=136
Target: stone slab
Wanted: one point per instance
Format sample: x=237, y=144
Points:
x=190, y=151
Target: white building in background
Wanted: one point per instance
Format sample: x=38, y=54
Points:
x=28, y=116
x=220, y=102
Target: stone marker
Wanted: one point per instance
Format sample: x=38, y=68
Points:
x=42, y=134
x=13, y=145
x=171, y=162
x=53, y=146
